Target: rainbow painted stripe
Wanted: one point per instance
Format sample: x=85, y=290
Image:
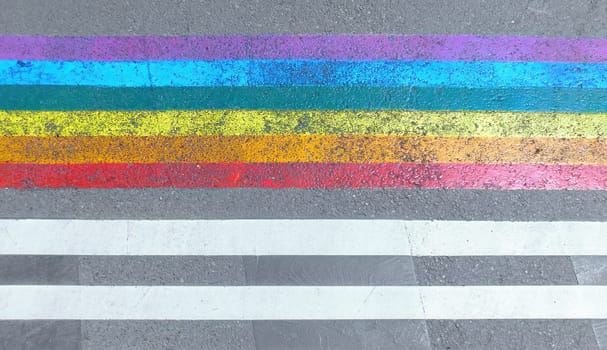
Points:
x=303, y=111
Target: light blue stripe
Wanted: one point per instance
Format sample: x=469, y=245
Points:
x=276, y=73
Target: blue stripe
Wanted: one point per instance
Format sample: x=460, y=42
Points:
x=277, y=73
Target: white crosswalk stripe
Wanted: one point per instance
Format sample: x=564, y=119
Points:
x=302, y=303
x=301, y=237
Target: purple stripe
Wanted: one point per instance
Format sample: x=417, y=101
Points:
x=363, y=47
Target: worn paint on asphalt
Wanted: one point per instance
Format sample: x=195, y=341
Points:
x=337, y=47
x=311, y=122
x=305, y=175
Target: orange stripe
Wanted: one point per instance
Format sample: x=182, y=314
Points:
x=301, y=148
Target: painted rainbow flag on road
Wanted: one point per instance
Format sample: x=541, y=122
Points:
x=323, y=111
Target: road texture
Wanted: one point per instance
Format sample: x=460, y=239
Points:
x=583, y=18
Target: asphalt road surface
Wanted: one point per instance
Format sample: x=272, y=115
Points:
x=580, y=18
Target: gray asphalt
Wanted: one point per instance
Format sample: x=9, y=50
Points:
x=570, y=18
x=516, y=17
x=302, y=204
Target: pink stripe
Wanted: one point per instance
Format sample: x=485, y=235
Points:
x=305, y=175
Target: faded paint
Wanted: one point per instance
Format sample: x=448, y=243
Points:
x=363, y=47
x=260, y=122
x=301, y=148
x=305, y=175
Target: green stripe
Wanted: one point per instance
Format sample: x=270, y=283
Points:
x=369, y=98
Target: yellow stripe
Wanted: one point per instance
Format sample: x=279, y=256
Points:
x=301, y=148
x=262, y=122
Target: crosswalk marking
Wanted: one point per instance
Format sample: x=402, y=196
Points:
x=301, y=303
x=301, y=237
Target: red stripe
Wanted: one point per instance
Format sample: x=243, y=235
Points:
x=304, y=175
